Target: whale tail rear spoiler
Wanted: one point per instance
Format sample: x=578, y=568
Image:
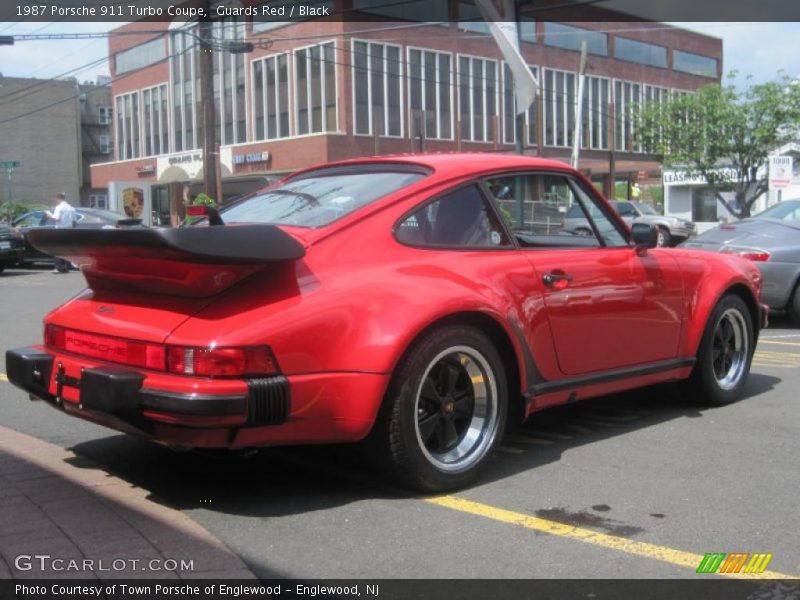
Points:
x=186, y=261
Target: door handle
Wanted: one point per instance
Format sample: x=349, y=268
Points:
x=554, y=278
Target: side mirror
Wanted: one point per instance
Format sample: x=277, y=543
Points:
x=644, y=235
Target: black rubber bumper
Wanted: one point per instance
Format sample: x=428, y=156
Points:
x=119, y=392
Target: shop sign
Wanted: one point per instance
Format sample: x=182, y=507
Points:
x=181, y=159
x=251, y=158
x=689, y=177
x=780, y=172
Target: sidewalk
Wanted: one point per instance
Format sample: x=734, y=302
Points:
x=64, y=507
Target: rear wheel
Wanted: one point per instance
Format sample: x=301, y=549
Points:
x=724, y=356
x=444, y=411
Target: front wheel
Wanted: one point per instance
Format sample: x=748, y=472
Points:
x=444, y=411
x=724, y=356
x=793, y=308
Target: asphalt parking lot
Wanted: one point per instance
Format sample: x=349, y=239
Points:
x=638, y=485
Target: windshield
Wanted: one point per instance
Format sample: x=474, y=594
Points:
x=788, y=210
x=319, y=198
x=646, y=209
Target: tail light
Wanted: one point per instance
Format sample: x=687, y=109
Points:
x=241, y=361
x=754, y=254
x=221, y=362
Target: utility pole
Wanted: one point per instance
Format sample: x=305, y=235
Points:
x=576, y=130
x=210, y=157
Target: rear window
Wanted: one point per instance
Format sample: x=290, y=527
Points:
x=319, y=198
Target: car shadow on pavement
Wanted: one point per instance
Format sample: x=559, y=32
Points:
x=287, y=481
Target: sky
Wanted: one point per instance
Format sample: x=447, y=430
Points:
x=756, y=49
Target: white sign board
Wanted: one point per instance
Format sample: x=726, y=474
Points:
x=780, y=172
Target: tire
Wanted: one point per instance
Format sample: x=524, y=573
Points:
x=793, y=308
x=444, y=411
x=663, y=237
x=724, y=355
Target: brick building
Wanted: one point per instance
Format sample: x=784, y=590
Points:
x=323, y=90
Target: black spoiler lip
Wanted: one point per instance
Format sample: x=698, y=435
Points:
x=241, y=244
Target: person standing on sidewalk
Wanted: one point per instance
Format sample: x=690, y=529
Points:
x=64, y=216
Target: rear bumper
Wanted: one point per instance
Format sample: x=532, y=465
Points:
x=209, y=413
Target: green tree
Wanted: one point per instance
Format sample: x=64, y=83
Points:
x=719, y=126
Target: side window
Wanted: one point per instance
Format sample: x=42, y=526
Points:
x=624, y=209
x=551, y=211
x=461, y=218
x=31, y=220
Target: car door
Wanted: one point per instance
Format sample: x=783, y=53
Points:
x=626, y=211
x=608, y=306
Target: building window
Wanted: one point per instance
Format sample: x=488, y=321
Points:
x=640, y=52
x=510, y=110
x=595, y=117
x=231, y=122
x=695, y=64
x=627, y=97
x=430, y=94
x=104, y=115
x=154, y=116
x=315, y=89
x=104, y=143
x=128, y=126
x=570, y=38
x=140, y=56
x=477, y=98
x=185, y=108
x=377, y=93
x=271, y=97
x=98, y=201
x=654, y=95
x=704, y=205
x=559, y=107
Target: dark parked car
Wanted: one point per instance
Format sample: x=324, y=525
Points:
x=12, y=246
x=86, y=218
x=771, y=239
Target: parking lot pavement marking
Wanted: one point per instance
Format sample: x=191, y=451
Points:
x=528, y=440
x=763, y=341
x=3, y=377
x=776, y=359
x=587, y=536
x=779, y=337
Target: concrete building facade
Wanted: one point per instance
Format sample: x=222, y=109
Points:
x=54, y=130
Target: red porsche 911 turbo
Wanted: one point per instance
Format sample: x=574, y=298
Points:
x=412, y=303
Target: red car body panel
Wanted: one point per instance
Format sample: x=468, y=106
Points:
x=340, y=319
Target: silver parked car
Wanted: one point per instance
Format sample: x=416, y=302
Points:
x=771, y=239
x=671, y=230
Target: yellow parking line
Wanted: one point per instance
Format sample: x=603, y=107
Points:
x=3, y=377
x=763, y=341
x=644, y=549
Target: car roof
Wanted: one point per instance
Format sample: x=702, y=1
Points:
x=454, y=163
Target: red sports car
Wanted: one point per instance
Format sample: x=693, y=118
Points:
x=414, y=303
